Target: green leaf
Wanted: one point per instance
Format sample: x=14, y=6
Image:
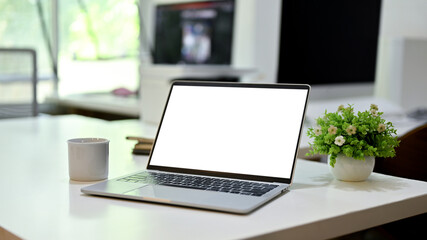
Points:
x=332, y=160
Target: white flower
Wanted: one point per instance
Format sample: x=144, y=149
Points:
x=317, y=130
x=351, y=130
x=332, y=130
x=374, y=113
x=374, y=107
x=339, y=140
x=381, y=128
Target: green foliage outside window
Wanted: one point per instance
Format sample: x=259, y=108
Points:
x=99, y=29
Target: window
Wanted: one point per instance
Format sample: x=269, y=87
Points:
x=96, y=43
x=21, y=27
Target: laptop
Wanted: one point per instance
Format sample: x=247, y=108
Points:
x=227, y=147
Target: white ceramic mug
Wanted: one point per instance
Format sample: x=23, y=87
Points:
x=88, y=159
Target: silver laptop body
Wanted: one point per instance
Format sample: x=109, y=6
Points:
x=234, y=144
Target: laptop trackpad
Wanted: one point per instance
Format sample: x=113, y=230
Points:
x=167, y=194
x=163, y=193
x=195, y=198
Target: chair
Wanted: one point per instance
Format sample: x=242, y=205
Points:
x=411, y=157
x=18, y=82
x=410, y=162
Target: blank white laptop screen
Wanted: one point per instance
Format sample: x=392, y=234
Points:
x=243, y=130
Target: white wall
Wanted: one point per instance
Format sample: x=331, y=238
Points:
x=267, y=39
x=401, y=68
x=404, y=18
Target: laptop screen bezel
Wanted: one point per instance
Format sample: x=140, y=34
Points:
x=227, y=174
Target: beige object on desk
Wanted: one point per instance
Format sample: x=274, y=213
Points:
x=143, y=146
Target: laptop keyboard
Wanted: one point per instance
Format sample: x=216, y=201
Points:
x=201, y=183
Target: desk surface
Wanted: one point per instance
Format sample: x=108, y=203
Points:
x=40, y=202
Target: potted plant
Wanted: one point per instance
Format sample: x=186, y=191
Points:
x=352, y=141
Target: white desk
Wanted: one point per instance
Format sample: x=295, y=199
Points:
x=39, y=202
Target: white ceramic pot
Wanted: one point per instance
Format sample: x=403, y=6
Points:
x=350, y=169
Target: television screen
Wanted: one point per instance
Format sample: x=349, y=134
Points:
x=329, y=42
x=194, y=33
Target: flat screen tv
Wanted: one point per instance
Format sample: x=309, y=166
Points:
x=194, y=33
x=326, y=43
